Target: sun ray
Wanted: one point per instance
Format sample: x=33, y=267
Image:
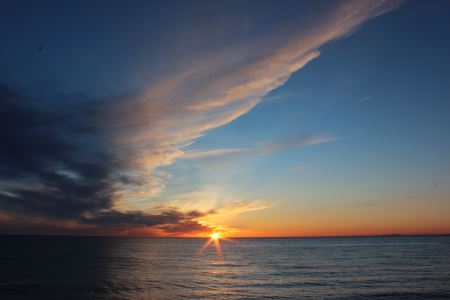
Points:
x=204, y=247
x=215, y=238
x=218, y=248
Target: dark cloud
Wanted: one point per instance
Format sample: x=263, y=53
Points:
x=108, y=223
x=171, y=221
x=55, y=166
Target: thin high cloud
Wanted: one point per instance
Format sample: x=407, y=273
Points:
x=364, y=99
x=296, y=141
x=89, y=165
x=267, y=148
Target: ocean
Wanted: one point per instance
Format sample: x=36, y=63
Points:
x=37, y=267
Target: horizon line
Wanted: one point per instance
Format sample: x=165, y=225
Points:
x=242, y=237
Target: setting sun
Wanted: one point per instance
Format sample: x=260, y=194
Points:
x=215, y=236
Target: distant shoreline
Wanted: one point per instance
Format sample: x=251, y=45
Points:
x=268, y=237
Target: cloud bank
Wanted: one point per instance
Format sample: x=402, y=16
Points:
x=82, y=168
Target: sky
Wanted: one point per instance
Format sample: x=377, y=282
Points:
x=248, y=118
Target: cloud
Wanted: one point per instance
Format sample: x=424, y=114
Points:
x=166, y=221
x=206, y=154
x=49, y=177
x=296, y=141
x=156, y=126
x=91, y=164
x=213, y=200
x=364, y=99
x=35, y=149
x=267, y=148
x=217, y=205
x=109, y=223
x=241, y=206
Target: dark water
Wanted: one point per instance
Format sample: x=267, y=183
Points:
x=139, y=268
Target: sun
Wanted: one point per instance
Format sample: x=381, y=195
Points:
x=215, y=236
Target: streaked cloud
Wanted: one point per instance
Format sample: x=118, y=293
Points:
x=217, y=152
x=265, y=149
x=364, y=99
x=296, y=141
x=159, y=123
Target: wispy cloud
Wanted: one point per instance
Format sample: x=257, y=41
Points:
x=216, y=205
x=213, y=91
x=265, y=149
x=296, y=141
x=364, y=99
x=206, y=154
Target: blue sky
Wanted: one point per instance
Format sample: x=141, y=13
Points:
x=314, y=116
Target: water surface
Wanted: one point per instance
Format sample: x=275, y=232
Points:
x=169, y=268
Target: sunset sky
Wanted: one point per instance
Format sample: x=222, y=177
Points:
x=250, y=118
